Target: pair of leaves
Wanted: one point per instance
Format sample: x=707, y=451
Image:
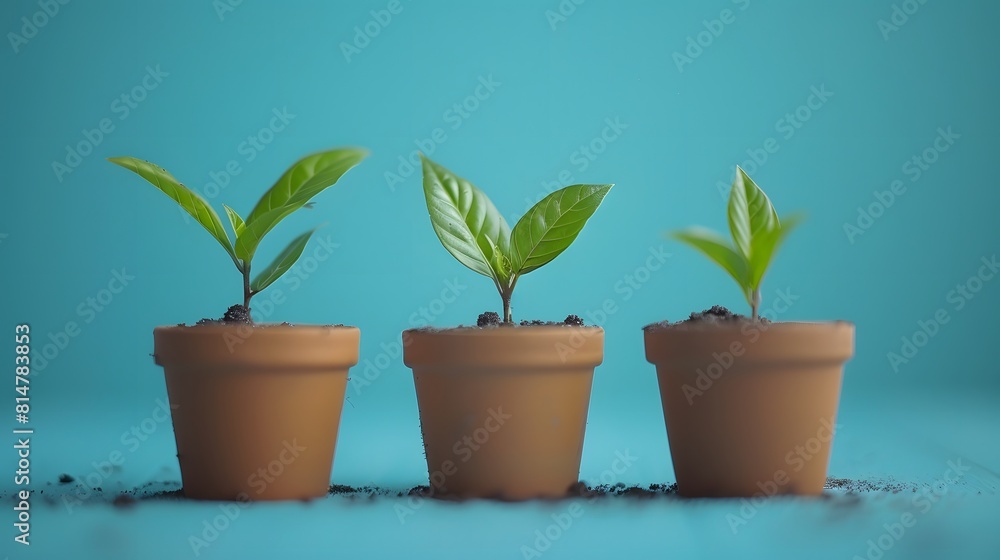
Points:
x=305, y=179
x=189, y=200
x=476, y=233
x=756, y=234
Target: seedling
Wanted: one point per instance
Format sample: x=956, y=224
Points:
x=476, y=234
x=756, y=231
x=302, y=181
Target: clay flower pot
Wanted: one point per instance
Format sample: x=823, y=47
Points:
x=750, y=408
x=256, y=409
x=503, y=410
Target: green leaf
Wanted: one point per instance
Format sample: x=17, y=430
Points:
x=466, y=221
x=254, y=231
x=550, y=226
x=766, y=245
x=281, y=263
x=716, y=248
x=750, y=213
x=235, y=220
x=189, y=200
x=305, y=179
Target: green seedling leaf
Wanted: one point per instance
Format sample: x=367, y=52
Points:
x=716, y=248
x=766, y=245
x=475, y=233
x=189, y=200
x=550, y=226
x=305, y=179
x=757, y=233
x=302, y=181
x=750, y=212
x=254, y=232
x=234, y=220
x=282, y=263
x=466, y=221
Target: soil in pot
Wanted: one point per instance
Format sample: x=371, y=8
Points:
x=492, y=319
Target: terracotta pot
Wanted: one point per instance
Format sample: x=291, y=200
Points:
x=256, y=409
x=503, y=410
x=750, y=408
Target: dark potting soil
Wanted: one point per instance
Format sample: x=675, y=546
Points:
x=370, y=492
x=581, y=490
x=166, y=495
x=872, y=485
x=578, y=490
x=846, y=492
x=240, y=315
x=488, y=319
x=492, y=319
x=235, y=315
x=715, y=315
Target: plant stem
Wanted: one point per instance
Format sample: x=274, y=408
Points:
x=505, y=294
x=754, y=304
x=247, y=292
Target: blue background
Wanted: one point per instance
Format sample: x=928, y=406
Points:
x=694, y=96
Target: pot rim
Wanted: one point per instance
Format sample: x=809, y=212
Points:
x=288, y=347
x=504, y=349
x=750, y=343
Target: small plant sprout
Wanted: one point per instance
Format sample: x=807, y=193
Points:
x=756, y=231
x=476, y=234
x=302, y=181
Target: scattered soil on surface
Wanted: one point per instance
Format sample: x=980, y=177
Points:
x=339, y=489
x=839, y=492
x=150, y=491
x=872, y=485
x=364, y=491
x=578, y=490
x=621, y=490
x=715, y=315
x=65, y=479
x=166, y=495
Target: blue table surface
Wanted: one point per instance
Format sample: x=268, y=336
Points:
x=912, y=439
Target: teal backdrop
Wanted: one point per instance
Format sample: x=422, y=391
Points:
x=876, y=118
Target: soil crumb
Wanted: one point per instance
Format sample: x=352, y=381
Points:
x=488, y=319
x=235, y=315
x=65, y=479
